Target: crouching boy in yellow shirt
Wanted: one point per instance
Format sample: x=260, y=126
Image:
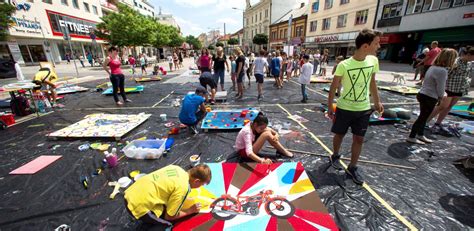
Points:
x=157, y=197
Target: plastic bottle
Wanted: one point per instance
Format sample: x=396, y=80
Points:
x=111, y=158
x=41, y=106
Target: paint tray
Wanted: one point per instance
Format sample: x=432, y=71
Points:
x=145, y=149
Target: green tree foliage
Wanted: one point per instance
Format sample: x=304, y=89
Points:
x=233, y=41
x=6, y=10
x=126, y=27
x=211, y=47
x=260, y=39
x=219, y=44
x=191, y=40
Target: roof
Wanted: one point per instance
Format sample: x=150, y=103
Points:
x=238, y=32
x=301, y=11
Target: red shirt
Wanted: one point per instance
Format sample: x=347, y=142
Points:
x=131, y=61
x=432, y=56
x=114, y=65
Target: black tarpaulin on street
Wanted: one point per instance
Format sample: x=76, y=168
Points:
x=435, y=196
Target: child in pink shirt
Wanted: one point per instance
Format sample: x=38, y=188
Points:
x=252, y=137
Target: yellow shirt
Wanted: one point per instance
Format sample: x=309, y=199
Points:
x=356, y=77
x=165, y=188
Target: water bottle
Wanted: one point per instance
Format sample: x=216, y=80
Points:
x=111, y=158
x=41, y=106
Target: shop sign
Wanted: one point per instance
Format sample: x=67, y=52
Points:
x=329, y=38
x=22, y=25
x=23, y=6
x=77, y=27
x=468, y=15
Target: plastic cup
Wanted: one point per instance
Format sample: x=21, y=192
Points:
x=163, y=117
x=195, y=159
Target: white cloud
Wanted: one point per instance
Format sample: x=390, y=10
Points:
x=195, y=3
x=228, y=21
x=188, y=27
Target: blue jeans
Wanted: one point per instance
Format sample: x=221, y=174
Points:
x=219, y=74
x=303, y=91
x=315, y=67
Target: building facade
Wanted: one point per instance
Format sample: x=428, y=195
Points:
x=280, y=28
x=334, y=24
x=238, y=35
x=259, y=17
x=40, y=28
x=409, y=26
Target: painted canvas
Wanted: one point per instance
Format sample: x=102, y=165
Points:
x=228, y=119
x=250, y=196
x=69, y=89
x=135, y=89
x=463, y=111
x=147, y=79
x=404, y=90
x=220, y=95
x=102, y=126
x=315, y=79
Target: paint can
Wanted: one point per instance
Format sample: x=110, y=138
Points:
x=195, y=159
x=163, y=117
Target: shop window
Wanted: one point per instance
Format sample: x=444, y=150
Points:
x=48, y=1
x=64, y=2
x=94, y=9
x=435, y=5
x=328, y=4
x=313, y=25
x=391, y=10
x=326, y=23
x=315, y=6
x=414, y=6
x=446, y=4
x=341, y=20
x=361, y=17
x=344, y=2
x=75, y=4
x=86, y=7
x=458, y=2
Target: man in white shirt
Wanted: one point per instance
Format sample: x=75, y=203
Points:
x=316, y=58
x=259, y=65
x=305, y=77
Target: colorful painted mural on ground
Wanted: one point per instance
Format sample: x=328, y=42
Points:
x=228, y=119
x=250, y=196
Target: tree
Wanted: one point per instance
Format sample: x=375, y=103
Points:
x=219, y=44
x=194, y=42
x=126, y=27
x=6, y=10
x=233, y=41
x=260, y=39
x=211, y=47
x=162, y=35
x=176, y=39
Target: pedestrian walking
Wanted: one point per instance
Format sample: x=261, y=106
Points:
x=429, y=59
x=275, y=69
x=220, y=64
x=90, y=58
x=68, y=58
x=316, y=60
x=204, y=61
x=170, y=61
x=143, y=64
x=112, y=66
x=175, y=61
x=259, y=67
x=251, y=60
x=305, y=77
x=431, y=93
x=324, y=62
x=240, y=72
x=81, y=60
x=180, y=59
x=132, y=63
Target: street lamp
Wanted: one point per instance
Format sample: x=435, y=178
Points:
x=243, y=30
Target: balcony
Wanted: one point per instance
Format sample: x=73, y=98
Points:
x=108, y=5
x=389, y=22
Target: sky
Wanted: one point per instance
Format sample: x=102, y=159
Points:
x=198, y=16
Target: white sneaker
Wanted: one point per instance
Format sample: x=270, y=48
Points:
x=414, y=141
x=424, y=139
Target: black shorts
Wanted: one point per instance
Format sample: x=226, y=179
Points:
x=358, y=121
x=259, y=78
x=205, y=69
x=207, y=82
x=240, y=78
x=453, y=94
x=144, y=67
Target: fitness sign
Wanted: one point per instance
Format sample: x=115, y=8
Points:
x=77, y=27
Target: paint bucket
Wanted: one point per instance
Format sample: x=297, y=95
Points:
x=163, y=117
x=195, y=159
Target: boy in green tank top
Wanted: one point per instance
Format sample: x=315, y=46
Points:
x=357, y=76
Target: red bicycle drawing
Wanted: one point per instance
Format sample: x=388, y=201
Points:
x=227, y=207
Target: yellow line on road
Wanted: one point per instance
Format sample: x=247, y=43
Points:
x=365, y=185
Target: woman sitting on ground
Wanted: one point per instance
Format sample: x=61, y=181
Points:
x=253, y=136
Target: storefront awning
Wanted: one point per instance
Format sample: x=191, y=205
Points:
x=461, y=34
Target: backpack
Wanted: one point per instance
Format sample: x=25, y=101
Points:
x=20, y=106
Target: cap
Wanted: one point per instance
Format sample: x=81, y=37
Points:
x=201, y=90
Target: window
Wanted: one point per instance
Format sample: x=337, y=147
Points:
x=48, y=1
x=285, y=33
x=281, y=34
x=446, y=4
x=427, y=5
x=86, y=7
x=94, y=9
x=260, y=16
x=391, y=10
x=64, y=2
x=328, y=4
x=247, y=21
x=341, y=20
x=313, y=25
x=299, y=31
x=458, y=2
x=344, y=2
x=326, y=23
x=361, y=17
x=75, y=4
x=266, y=13
x=414, y=6
x=136, y=4
x=315, y=6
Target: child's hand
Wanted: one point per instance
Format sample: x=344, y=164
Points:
x=195, y=208
x=266, y=161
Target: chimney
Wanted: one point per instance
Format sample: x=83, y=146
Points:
x=302, y=5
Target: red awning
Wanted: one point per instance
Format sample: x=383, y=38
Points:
x=391, y=38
